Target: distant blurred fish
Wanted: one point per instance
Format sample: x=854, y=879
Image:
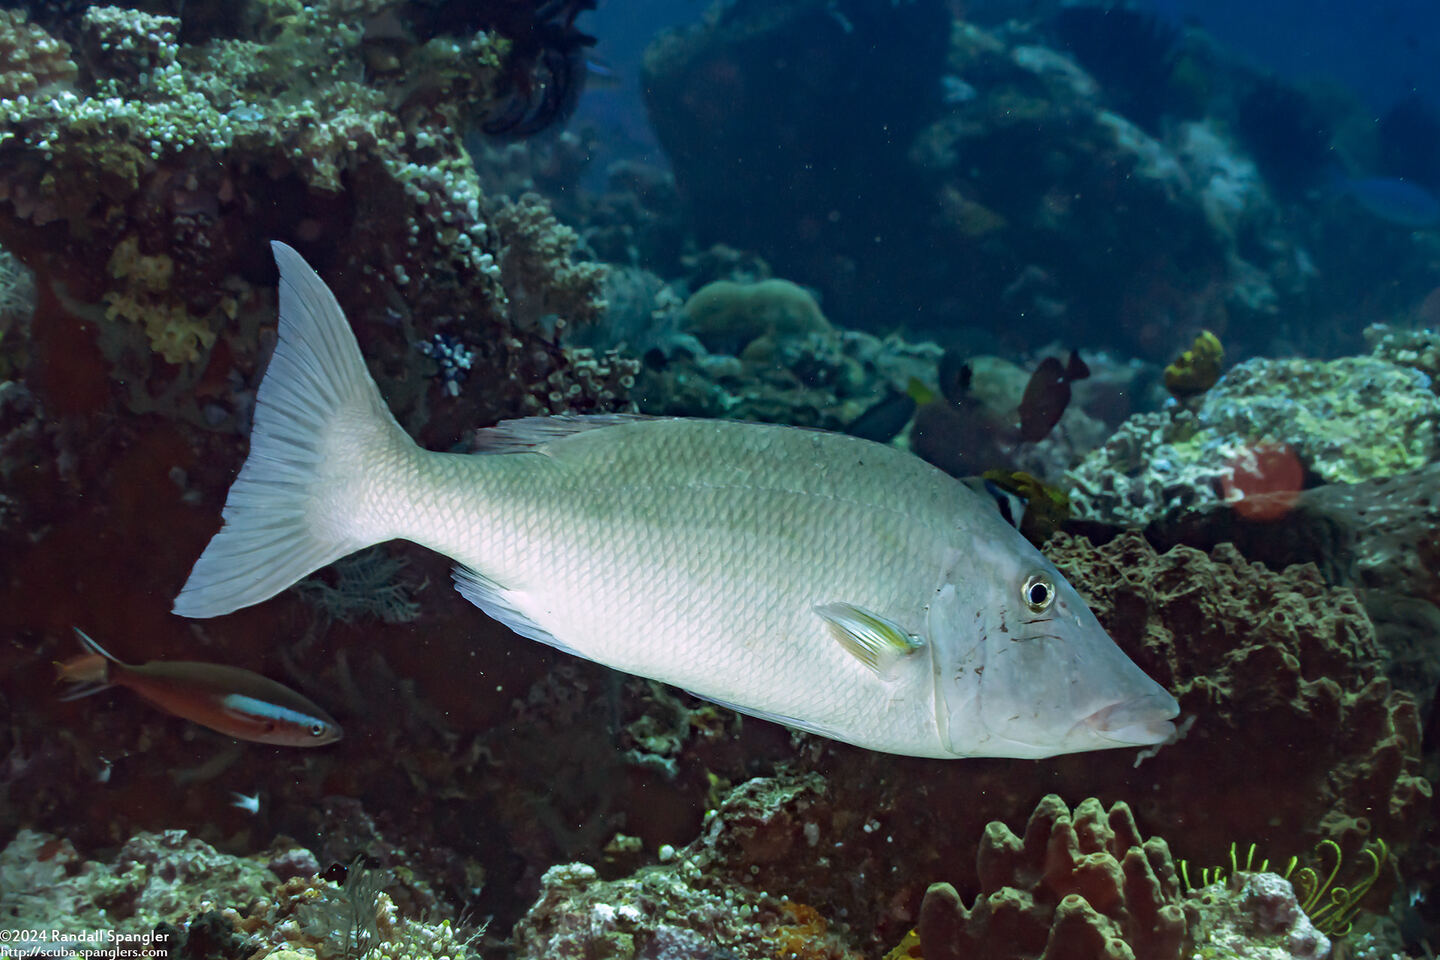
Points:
x=1394, y=200
x=1047, y=395
x=883, y=421
x=229, y=700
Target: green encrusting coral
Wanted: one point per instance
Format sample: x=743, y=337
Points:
x=1348, y=420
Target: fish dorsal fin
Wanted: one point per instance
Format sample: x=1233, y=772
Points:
x=529, y=434
x=91, y=646
x=499, y=604
x=881, y=645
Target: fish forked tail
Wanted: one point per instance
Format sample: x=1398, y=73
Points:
x=88, y=673
x=304, y=496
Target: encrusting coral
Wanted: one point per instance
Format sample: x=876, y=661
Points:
x=173, y=164
x=1285, y=681
x=171, y=891
x=1347, y=420
x=1080, y=886
x=31, y=61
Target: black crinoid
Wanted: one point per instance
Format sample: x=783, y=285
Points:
x=545, y=70
x=1130, y=53
x=1287, y=134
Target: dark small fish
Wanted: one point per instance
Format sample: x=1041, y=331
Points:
x=883, y=421
x=229, y=700
x=1047, y=395
x=955, y=374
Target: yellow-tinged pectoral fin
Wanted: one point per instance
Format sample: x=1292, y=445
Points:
x=880, y=644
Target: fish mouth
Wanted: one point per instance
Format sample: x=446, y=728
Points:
x=1140, y=722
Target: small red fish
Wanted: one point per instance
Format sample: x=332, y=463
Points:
x=1047, y=395
x=228, y=700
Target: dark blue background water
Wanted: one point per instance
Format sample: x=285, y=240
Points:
x=1382, y=50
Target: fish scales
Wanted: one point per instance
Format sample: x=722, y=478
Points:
x=830, y=583
x=696, y=545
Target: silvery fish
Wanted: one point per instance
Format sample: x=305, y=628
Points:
x=819, y=580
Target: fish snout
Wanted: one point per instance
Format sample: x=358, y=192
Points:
x=1139, y=722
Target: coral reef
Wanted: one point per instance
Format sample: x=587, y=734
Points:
x=1255, y=916
x=1243, y=647
x=667, y=911
x=1155, y=465
x=1347, y=420
x=1418, y=348
x=32, y=62
x=1075, y=887
x=1351, y=419
x=171, y=892
x=173, y=164
x=17, y=305
x=537, y=268
x=140, y=191
x=1290, y=732
x=793, y=373
x=1016, y=181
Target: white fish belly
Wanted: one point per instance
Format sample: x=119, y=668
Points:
x=694, y=552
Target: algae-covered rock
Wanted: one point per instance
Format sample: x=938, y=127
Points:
x=155, y=877
x=1256, y=916
x=1418, y=348
x=666, y=911
x=1351, y=419
x=176, y=894
x=1347, y=420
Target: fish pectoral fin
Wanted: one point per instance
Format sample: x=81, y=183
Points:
x=881, y=645
x=499, y=604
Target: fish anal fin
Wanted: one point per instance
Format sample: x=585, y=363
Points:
x=499, y=604
x=85, y=690
x=881, y=645
x=819, y=729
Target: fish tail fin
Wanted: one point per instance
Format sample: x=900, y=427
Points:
x=89, y=673
x=311, y=490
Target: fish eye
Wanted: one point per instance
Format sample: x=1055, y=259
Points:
x=317, y=729
x=1038, y=592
